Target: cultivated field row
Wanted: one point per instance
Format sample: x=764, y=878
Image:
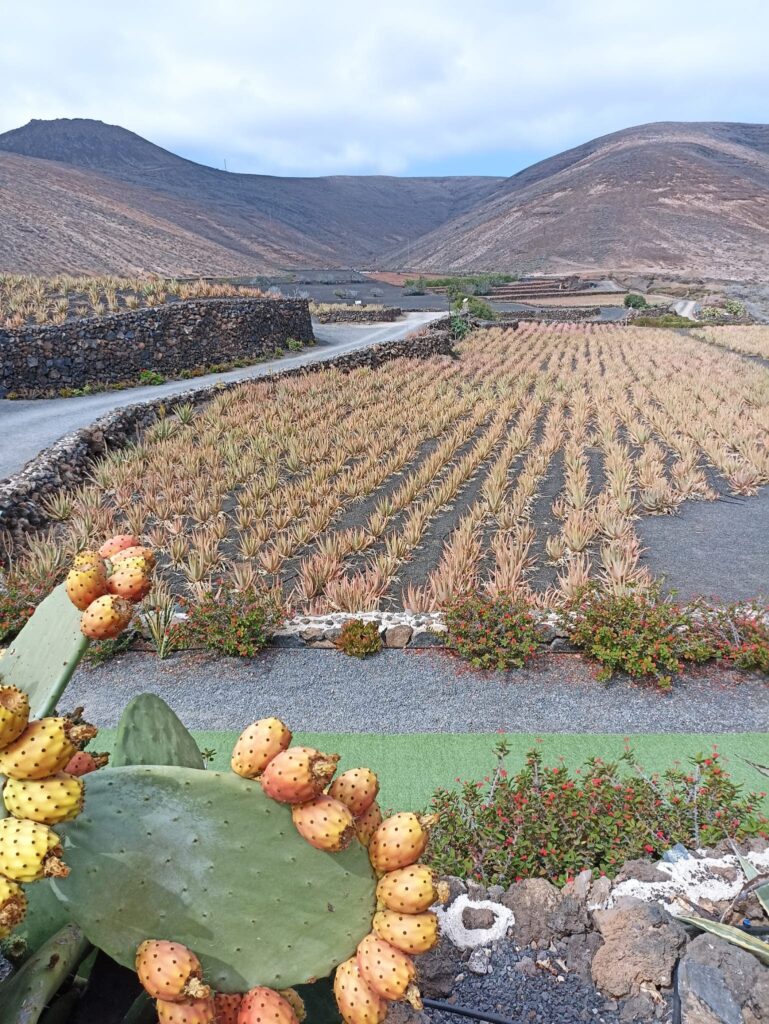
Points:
x=521, y=468
x=753, y=340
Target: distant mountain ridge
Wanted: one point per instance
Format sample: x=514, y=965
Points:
x=675, y=196
x=692, y=198
x=245, y=222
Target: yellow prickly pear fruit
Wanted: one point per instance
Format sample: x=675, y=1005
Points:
x=388, y=971
x=367, y=824
x=49, y=801
x=410, y=890
x=43, y=749
x=119, y=542
x=147, y=554
x=298, y=775
x=411, y=933
x=358, y=1004
x=226, y=1007
x=29, y=851
x=170, y=972
x=130, y=580
x=295, y=1001
x=325, y=823
x=257, y=745
x=84, y=585
x=13, y=906
x=266, y=1006
x=14, y=714
x=398, y=842
x=89, y=560
x=106, y=617
x=357, y=788
x=190, y=1011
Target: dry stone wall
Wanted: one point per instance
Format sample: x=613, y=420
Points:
x=168, y=339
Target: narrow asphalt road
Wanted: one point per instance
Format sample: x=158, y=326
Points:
x=28, y=426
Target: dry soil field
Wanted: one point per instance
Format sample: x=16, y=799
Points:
x=521, y=467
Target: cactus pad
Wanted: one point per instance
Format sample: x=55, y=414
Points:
x=206, y=859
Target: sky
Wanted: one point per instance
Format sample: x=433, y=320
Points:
x=400, y=87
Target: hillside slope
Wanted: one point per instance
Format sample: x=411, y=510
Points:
x=691, y=198
x=232, y=223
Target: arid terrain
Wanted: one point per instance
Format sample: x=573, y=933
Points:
x=80, y=196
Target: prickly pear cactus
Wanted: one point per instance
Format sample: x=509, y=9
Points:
x=46, y=652
x=149, y=732
x=206, y=859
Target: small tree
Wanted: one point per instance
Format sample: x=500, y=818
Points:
x=633, y=301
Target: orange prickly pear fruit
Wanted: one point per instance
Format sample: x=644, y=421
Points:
x=367, y=824
x=147, y=554
x=29, y=851
x=257, y=745
x=170, y=972
x=189, y=1011
x=106, y=617
x=398, y=842
x=226, y=1007
x=130, y=580
x=42, y=749
x=50, y=801
x=411, y=933
x=325, y=823
x=119, y=542
x=388, y=971
x=13, y=906
x=89, y=560
x=410, y=890
x=84, y=762
x=297, y=775
x=84, y=585
x=265, y=1006
x=14, y=714
x=357, y=788
x=358, y=1004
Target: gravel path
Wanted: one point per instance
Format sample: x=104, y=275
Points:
x=417, y=691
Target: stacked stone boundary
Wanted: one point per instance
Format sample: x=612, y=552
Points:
x=66, y=463
x=357, y=315
x=170, y=339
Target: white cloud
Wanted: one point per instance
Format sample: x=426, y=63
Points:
x=342, y=87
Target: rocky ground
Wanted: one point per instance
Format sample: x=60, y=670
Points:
x=592, y=952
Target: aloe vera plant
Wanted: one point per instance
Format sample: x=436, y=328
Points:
x=736, y=936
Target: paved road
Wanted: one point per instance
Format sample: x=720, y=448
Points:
x=28, y=426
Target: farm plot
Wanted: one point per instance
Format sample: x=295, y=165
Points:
x=520, y=468
x=751, y=340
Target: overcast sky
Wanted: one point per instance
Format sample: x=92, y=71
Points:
x=397, y=87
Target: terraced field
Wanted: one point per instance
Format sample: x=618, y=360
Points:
x=521, y=467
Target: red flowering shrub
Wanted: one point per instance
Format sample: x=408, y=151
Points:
x=17, y=602
x=738, y=634
x=491, y=632
x=642, y=634
x=546, y=822
x=358, y=638
x=237, y=623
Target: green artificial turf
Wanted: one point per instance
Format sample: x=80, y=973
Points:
x=411, y=765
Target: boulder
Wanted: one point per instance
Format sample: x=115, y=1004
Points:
x=437, y=969
x=531, y=901
x=478, y=917
x=640, y=870
x=641, y=946
x=722, y=984
x=578, y=952
x=398, y=636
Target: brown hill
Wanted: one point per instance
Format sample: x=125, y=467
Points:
x=677, y=197
x=80, y=194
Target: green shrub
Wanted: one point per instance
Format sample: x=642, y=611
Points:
x=641, y=634
x=17, y=602
x=633, y=301
x=459, y=327
x=738, y=634
x=151, y=377
x=293, y=345
x=734, y=307
x=548, y=822
x=494, y=633
x=101, y=651
x=359, y=639
x=477, y=307
x=237, y=623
